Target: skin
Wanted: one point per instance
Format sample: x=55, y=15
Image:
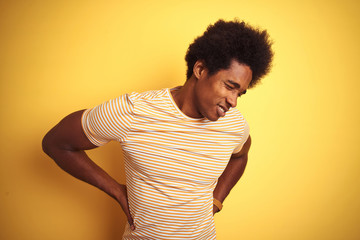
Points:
x=202, y=96
x=232, y=173
x=66, y=144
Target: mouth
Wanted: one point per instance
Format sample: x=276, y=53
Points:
x=221, y=110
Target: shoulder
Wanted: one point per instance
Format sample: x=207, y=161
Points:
x=235, y=118
x=151, y=95
x=241, y=127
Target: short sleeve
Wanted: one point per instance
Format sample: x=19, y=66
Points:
x=243, y=139
x=108, y=121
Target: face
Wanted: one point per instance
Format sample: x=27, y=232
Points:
x=215, y=94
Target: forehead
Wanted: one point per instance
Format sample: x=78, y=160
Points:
x=238, y=73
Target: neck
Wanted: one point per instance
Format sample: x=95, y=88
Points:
x=184, y=98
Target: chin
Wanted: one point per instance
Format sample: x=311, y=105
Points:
x=210, y=116
x=213, y=118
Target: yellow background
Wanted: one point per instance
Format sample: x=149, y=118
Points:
x=302, y=179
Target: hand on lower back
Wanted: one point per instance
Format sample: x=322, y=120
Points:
x=123, y=201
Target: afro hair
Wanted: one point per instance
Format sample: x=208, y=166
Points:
x=224, y=41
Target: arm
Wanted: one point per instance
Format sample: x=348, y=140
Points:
x=65, y=144
x=232, y=173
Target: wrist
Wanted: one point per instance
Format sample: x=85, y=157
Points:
x=120, y=192
x=217, y=204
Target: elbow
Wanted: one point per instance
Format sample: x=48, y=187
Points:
x=46, y=144
x=49, y=144
x=53, y=144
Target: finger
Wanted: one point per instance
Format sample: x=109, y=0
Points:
x=131, y=223
x=215, y=209
x=132, y=227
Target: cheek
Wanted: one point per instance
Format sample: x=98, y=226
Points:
x=209, y=94
x=219, y=94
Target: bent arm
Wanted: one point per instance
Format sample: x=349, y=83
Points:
x=232, y=173
x=65, y=144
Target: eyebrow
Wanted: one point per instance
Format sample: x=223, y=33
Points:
x=236, y=85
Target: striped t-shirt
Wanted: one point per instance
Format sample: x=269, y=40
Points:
x=172, y=161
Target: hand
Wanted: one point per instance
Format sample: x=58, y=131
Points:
x=215, y=209
x=123, y=201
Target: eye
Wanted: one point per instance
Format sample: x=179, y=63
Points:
x=242, y=93
x=229, y=86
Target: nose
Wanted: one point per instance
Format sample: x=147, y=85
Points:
x=232, y=100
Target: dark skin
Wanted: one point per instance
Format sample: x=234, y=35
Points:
x=232, y=173
x=66, y=144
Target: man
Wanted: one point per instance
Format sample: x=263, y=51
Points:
x=184, y=148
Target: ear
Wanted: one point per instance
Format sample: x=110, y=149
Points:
x=199, y=69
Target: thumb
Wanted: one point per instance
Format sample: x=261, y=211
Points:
x=131, y=223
